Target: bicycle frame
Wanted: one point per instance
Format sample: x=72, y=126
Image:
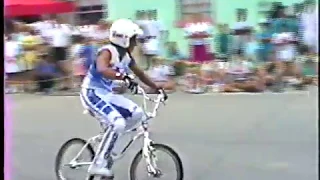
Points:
x=146, y=140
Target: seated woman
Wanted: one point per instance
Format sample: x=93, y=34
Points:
x=212, y=75
x=217, y=81
x=256, y=82
x=192, y=81
x=199, y=79
x=160, y=73
x=239, y=77
x=207, y=74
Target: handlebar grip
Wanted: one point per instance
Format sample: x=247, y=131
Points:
x=163, y=92
x=127, y=81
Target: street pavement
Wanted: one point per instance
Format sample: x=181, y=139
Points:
x=221, y=137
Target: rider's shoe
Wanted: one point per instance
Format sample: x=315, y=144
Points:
x=102, y=169
x=95, y=169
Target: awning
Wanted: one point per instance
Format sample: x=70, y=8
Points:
x=15, y=8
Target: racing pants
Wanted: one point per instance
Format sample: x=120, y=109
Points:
x=118, y=112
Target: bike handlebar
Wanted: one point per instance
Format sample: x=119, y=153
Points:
x=159, y=99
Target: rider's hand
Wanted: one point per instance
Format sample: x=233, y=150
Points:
x=132, y=86
x=162, y=91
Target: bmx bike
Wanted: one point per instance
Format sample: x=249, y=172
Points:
x=147, y=154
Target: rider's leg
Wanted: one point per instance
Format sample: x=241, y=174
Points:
x=128, y=109
x=98, y=101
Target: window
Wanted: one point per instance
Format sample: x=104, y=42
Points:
x=187, y=7
x=91, y=14
x=241, y=14
x=153, y=14
x=298, y=7
x=264, y=9
x=140, y=14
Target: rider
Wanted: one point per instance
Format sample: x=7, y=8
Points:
x=110, y=66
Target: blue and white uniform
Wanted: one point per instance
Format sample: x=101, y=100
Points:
x=97, y=95
x=118, y=112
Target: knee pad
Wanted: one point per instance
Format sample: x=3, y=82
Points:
x=137, y=114
x=119, y=125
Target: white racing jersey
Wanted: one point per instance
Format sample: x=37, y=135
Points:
x=95, y=80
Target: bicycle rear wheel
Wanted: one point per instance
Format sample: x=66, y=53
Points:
x=157, y=148
x=64, y=148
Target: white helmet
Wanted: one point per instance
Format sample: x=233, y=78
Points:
x=122, y=30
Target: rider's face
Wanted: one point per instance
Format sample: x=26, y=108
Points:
x=133, y=43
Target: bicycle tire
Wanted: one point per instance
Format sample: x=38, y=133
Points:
x=64, y=147
x=165, y=148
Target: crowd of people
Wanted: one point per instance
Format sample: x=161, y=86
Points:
x=282, y=51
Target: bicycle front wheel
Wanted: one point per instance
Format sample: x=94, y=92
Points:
x=87, y=155
x=156, y=159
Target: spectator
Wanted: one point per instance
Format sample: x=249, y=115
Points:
x=60, y=42
x=239, y=76
x=162, y=31
x=284, y=43
x=198, y=29
x=100, y=32
x=79, y=64
x=12, y=52
x=309, y=20
x=192, y=81
x=45, y=27
x=223, y=40
x=264, y=40
x=31, y=43
x=251, y=48
x=18, y=32
x=308, y=66
x=207, y=74
x=241, y=29
x=151, y=37
x=239, y=68
x=286, y=51
x=88, y=53
x=46, y=72
x=279, y=19
x=86, y=31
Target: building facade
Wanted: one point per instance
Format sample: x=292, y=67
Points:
x=170, y=11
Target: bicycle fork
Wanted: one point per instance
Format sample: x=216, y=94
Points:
x=148, y=153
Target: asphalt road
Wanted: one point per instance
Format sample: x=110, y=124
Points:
x=221, y=137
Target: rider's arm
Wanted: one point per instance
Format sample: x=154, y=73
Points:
x=141, y=75
x=104, y=64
